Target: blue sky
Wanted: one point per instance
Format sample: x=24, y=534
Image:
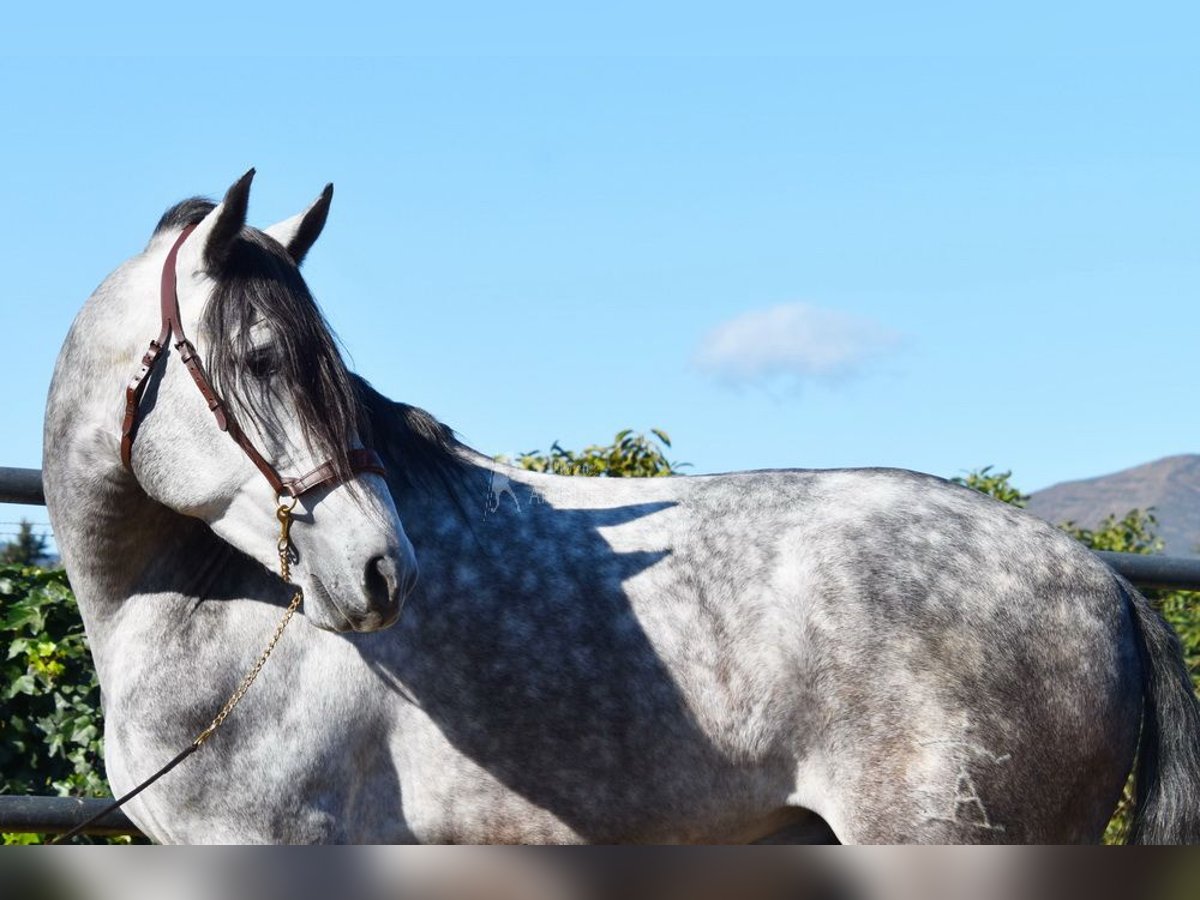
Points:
x=932, y=240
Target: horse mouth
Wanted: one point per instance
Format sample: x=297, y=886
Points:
x=343, y=621
x=326, y=605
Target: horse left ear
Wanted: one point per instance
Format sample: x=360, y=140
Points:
x=216, y=232
x=300, y=232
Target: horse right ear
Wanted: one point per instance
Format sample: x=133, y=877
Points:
x=218, y=230
x=300, y=232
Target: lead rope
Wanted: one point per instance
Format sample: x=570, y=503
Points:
x=284, y=515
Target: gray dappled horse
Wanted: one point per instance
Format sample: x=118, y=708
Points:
x=872, y=655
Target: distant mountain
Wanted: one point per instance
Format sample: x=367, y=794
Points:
x=1170, y=485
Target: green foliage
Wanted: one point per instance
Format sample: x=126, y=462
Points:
x=628, y=456
x=50, y=723
x=29, y=548
x=1132, y=533
x=995, y=485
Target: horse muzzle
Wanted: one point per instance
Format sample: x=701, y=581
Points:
x=372, y=603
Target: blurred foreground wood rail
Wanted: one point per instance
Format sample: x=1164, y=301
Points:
x=55, y=815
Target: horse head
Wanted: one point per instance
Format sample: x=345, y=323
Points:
x=269, y=376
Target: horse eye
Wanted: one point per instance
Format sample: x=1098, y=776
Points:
x=261, y=362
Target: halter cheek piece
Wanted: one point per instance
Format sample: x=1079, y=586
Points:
x=322, y=475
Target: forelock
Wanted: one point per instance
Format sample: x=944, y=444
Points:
x=184, y=213
x=258, y=282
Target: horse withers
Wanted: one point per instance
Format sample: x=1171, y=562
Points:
x=861, y=655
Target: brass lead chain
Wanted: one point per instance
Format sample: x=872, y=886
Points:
x=237, y=695
x=284, y=514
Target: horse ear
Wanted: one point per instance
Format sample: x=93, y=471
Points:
x=217, y=231
x=300, y=232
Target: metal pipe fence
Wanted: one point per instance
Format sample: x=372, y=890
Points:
x=21, y=486
x=56, y=815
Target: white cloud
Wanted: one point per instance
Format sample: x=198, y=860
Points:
x=793, y=342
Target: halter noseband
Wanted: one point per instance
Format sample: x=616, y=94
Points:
x=322, y=475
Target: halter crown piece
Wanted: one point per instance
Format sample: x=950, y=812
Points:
x=172, y=323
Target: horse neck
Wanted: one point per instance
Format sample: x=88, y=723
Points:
x=114, y=540
x=471, y=498
x=117, y=544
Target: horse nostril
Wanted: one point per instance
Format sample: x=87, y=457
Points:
x=379, y=581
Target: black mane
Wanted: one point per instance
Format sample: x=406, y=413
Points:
x=415, y=447
x=184, y=213
x=259, y=281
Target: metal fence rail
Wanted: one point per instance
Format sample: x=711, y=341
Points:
x=56, y=815
x=1180, y=573
x=1171, y=573
x=21, y=486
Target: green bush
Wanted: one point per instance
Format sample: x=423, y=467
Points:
x=50, y=723
x=628, y=456
x=994, y=484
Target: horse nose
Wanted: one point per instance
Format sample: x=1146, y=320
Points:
x=381, y=583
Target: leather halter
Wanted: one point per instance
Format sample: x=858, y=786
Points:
x=322, y=475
